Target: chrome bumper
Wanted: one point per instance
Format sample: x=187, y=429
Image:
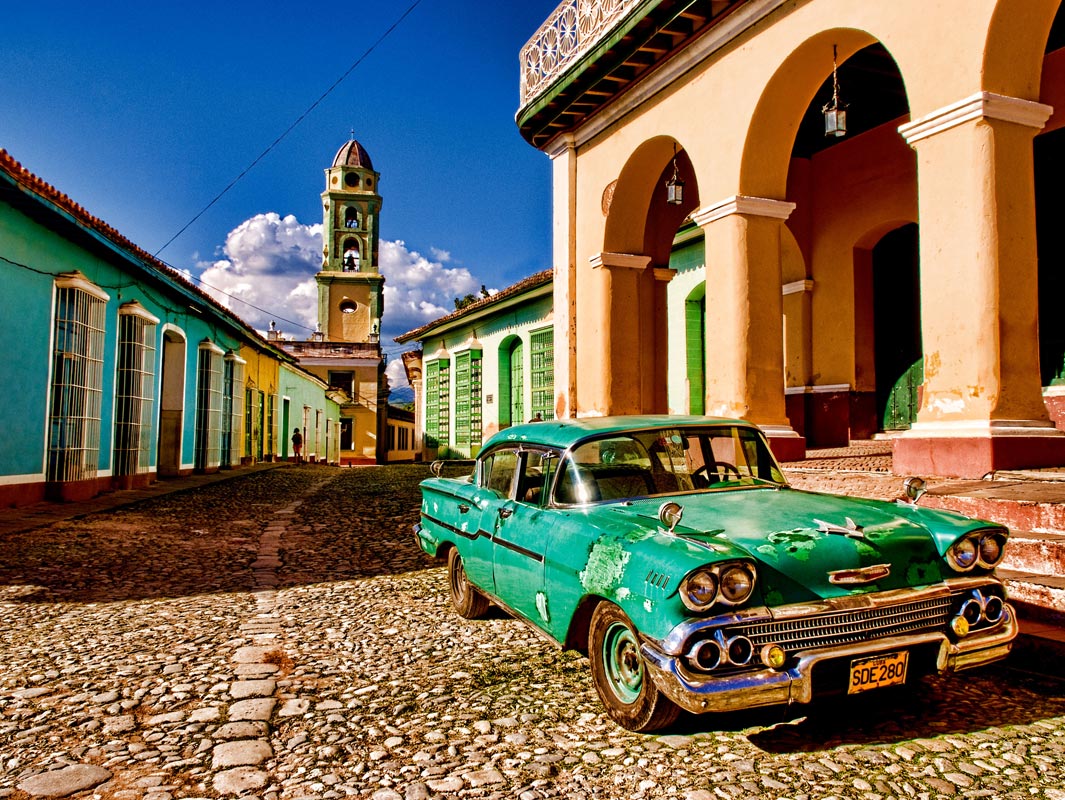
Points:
x=794, y=684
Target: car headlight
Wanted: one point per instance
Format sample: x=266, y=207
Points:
x=737, y=583
x=992, y=548
x=979, y=548
x=698, y=591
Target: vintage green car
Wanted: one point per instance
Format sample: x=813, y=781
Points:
x=673, y=552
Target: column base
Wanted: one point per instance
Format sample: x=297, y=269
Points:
x=966, y=451
x=786, y=444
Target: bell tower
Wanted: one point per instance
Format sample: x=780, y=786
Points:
x=350, y=297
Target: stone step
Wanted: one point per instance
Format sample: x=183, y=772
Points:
x=1036, y=596
x=1037, y=506
x=1041, y=553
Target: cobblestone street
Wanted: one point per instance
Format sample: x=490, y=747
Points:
x=279, y=635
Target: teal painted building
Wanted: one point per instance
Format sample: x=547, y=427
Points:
x=483, y=368
x=118, y=370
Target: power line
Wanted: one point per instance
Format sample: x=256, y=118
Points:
x=291, y=127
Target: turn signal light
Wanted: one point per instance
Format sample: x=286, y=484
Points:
x=773, y=656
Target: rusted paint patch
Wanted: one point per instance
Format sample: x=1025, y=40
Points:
x=605, y=568
x=541, y=607
x=798, y=544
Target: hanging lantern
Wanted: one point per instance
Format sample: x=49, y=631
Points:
x=674, y=186
x=834, y=110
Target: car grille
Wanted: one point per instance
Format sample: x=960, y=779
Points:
x=847, y=627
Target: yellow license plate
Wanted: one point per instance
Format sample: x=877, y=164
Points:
x=872, y=673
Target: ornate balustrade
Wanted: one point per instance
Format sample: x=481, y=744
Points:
x=571, y=30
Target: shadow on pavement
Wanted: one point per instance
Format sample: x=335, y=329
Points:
x=989, y=697
x=350, y=523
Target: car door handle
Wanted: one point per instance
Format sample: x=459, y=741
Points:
x=463, y=508
x=505, y=512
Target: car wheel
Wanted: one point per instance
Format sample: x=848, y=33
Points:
x=470, y=603
x=620, y=676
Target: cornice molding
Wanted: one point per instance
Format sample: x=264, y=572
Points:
x=982, y=105
x=745, y=205
x=622, y=260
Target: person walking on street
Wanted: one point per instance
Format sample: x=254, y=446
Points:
x=297, y=445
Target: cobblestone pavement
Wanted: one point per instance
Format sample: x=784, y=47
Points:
x=279, y=636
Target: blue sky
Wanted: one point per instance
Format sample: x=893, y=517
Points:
x=143, y=112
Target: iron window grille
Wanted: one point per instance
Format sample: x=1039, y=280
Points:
x=134, y=389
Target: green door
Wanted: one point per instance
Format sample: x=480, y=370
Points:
x=904, y=399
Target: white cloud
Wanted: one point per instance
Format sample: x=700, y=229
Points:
x=397, y=376
x=417, y=289
x=270, y=261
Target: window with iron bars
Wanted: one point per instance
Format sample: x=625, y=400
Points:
x=134, y=389
x=77, y=379
x=232, y=408
x=209, y=407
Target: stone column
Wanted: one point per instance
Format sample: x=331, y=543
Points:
x=564, y=286
x=744, y=316
x=982, y=405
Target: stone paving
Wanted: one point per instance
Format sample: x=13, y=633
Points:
x=279, y=636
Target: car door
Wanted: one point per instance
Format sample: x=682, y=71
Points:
x=522, y=534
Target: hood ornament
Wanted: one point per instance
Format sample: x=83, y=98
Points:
x=851, y=577
x=851, y=529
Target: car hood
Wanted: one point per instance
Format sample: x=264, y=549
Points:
x=799, y=539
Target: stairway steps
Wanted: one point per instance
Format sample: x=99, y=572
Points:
x=1042, y=553
x=1025, y=508
x=1036, y=595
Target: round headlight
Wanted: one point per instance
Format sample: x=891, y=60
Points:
x=991, y=550
x=737, y=583
x=963, y=554
x=698, y=591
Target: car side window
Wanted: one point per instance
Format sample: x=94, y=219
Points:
x=498, y=470
x=537, y=470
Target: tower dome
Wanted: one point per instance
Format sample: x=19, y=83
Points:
x=352, y=154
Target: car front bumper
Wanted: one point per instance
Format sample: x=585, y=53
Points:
x=794, y=682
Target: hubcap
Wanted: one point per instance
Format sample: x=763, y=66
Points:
x=623, y=663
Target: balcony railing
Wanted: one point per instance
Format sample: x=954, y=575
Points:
x=572, y=29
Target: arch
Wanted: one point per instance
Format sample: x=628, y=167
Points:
x=171, y=400
x=639, y=220
x=1015, y=46
x=780, y=109
x=352, y=217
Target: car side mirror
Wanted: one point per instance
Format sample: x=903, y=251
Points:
x=914, y=488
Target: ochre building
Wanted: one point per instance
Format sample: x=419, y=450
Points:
x=869, y=190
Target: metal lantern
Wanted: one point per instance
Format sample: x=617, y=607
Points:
x=834, y=110
x=674, y=186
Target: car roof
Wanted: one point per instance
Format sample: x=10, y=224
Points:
x=562, y=433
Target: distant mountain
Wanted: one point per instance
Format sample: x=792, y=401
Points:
x=398, y=397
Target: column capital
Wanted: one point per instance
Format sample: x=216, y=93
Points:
x=563, y=144
x=624, y=260
x=982, y=105
x=745, y=205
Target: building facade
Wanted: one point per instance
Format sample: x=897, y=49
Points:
x=345, y=351
x=875, y=190
x=483, y=368
x=119, y=371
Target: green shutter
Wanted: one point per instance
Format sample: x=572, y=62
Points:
x=517, y=384
x=432, y=403
x=542, y=379
x=462, y=402
x=695, y=351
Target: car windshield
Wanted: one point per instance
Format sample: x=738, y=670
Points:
x=660, y=462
